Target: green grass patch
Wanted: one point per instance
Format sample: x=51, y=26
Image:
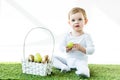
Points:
x=98, y=72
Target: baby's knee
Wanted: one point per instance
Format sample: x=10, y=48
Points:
x=83, y=70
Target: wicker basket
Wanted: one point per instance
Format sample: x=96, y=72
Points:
x=42, y=69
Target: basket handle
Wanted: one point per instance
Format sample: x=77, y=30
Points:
x=31, y=31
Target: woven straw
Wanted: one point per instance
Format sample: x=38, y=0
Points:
x=37, y=68
x=42, y=69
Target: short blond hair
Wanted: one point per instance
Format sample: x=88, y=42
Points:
x=77, y=10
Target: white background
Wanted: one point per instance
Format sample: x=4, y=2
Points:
x=17, y=17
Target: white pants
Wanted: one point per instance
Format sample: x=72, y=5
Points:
x=80, y=65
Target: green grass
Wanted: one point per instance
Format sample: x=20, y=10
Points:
x=98, y=72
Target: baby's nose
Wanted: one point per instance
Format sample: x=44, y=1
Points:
x=76, y=21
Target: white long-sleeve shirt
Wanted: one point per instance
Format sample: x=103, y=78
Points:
x=84, y=40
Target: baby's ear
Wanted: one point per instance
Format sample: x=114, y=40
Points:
x=86, y=20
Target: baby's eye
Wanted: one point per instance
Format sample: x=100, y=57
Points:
x=80, y=19
x=72, y=20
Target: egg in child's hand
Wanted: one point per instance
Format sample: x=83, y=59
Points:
x=70, y=45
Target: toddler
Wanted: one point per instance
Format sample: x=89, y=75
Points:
x=76, y=55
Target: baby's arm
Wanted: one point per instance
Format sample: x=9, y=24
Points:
x=89, y=45
x=89, y=49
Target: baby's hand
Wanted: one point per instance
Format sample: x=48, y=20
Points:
x=79, y=48
x=68, y=49
x=69, y=46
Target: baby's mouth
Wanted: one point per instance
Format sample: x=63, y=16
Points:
x=77, y=26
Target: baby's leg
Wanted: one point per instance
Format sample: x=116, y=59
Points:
x=82, y=68
x=60, y=63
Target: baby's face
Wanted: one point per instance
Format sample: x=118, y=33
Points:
x=77, y=21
